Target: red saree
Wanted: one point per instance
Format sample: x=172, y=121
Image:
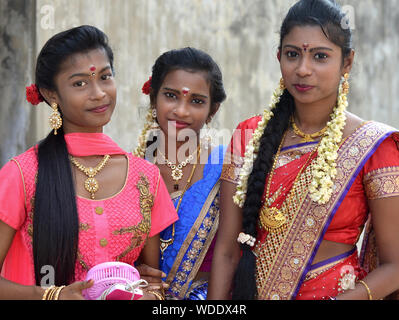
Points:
x=368, y=168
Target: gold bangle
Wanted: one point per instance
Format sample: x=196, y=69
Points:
x=156, y=294
x=51, y=293
x=46, y=292
x=367, y=288
x=57, y=293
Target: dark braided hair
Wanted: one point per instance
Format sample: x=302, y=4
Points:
x=328, y=16
x=244, y=282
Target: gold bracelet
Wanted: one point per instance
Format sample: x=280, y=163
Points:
x=51, y=293
x=46, y=292
x=57, y=293
x=367, y=288
x=156, y=294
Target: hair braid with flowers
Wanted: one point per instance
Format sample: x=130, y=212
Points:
x=263, y=146
x=268, y=145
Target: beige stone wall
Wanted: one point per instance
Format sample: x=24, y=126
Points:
x=241, y=35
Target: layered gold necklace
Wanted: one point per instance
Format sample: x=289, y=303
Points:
x=307, y=137
x=165, y=243
x=91, y=184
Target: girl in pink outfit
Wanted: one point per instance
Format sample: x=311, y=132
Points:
x=77, y=199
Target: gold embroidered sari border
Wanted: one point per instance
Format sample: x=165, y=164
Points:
x=382, y=183
x=201, y=256
x=289, y=268
x=187, y=242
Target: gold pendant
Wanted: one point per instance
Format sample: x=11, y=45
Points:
x=177, y=174
x=164, y=245
x=91, y=185
x=272, y=219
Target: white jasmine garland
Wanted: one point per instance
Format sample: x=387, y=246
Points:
x=324, y=166
x=252, y=148
x=142, y=139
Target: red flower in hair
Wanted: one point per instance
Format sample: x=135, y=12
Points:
x=33, y=95
x=146, y=87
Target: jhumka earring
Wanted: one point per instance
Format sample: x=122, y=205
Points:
x=282, y=85
x=345, y=84
x=55, y=119
x=154, y=124
x=206, y=140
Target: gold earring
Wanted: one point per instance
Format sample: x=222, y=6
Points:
x=55, y=119
x=345, y=84
x=206, y=140
x=154, y=124
x=282, y=85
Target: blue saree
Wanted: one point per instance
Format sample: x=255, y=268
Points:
x=194, y=232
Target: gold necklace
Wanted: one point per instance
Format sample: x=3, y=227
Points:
x=166, y=243
x=307, y=137
x=177, y=170
x=271, y=218
x=91, y=184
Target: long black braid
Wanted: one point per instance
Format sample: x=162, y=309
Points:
x=244, y=279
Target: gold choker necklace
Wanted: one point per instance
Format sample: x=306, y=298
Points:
x=307, y=137
x=91, y=184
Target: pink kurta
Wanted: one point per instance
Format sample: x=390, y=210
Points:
x=112, y=229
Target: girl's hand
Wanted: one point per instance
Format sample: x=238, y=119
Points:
x=152, y=276
x=74, y=290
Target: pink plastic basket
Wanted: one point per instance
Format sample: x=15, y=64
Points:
x=108, y=274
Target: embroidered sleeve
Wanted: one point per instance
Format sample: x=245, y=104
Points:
x=231, y=168
x=381, y=172
x=382, y=183
x=234, y=158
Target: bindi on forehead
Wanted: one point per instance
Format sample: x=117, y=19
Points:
x=92, y=69
x=307, y=38
x=185, y=90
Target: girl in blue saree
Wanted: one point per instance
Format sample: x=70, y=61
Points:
x=186, y=91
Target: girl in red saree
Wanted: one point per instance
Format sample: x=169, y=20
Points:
x=304, y=179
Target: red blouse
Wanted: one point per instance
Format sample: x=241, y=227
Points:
x=379, y=178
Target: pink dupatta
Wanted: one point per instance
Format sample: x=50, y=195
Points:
x=89, y=144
